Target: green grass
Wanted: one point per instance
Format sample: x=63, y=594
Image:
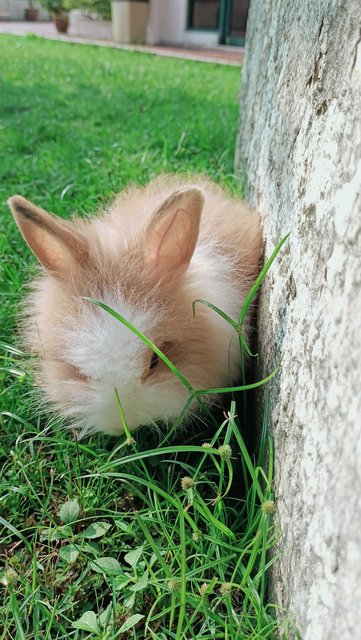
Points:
x=111, y=538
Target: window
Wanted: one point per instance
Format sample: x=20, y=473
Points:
x=204, y=14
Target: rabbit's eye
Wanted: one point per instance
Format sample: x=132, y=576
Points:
x=154, y=364
x=154, y=361
x=76, y=374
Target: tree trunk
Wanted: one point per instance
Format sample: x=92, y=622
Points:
x=299, y=145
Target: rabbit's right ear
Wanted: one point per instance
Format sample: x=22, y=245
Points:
x=172, y=233
x=55, y=243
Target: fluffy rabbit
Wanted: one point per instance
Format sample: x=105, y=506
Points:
x=155, y=251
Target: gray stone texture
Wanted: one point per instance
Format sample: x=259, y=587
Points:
x=299, y=145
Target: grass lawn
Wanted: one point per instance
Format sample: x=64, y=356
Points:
x=107, y=538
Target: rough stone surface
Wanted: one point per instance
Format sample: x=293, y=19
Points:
x=300, y=147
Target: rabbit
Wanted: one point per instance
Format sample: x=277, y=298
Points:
x=154, y=252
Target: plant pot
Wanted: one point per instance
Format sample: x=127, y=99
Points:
x=31, y=14
x=129, y=20
x=61, y=23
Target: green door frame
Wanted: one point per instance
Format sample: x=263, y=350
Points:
x=224, y=25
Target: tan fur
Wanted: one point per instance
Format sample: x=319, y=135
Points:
x=112, y=253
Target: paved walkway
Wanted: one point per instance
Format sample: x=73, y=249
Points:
x=220, y=55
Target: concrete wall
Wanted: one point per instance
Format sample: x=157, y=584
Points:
x=82, y=26
x=14, y=10
x=300, y=147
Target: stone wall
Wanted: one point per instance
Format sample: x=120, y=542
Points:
x=299, y=147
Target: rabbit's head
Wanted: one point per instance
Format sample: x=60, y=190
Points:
x=84, y=353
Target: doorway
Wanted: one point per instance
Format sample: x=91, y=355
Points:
x=228, y=17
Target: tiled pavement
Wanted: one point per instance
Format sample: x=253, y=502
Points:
x=220, y=55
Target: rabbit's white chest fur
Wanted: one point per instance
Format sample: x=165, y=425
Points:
x=148, y=259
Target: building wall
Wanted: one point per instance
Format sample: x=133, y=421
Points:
x=168, y=25
x=300, y=147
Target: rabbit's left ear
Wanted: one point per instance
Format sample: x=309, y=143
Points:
x=57, y=245
x=171, y=235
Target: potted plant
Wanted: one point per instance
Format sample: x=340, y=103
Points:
x=59, y=10
x=31, y=12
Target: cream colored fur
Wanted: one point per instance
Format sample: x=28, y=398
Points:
x=155, y=251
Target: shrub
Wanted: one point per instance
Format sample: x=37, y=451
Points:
x=92, y=8
x=56, y=7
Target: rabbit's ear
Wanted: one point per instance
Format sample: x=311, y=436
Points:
x=172, y=233
x=55, y=243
